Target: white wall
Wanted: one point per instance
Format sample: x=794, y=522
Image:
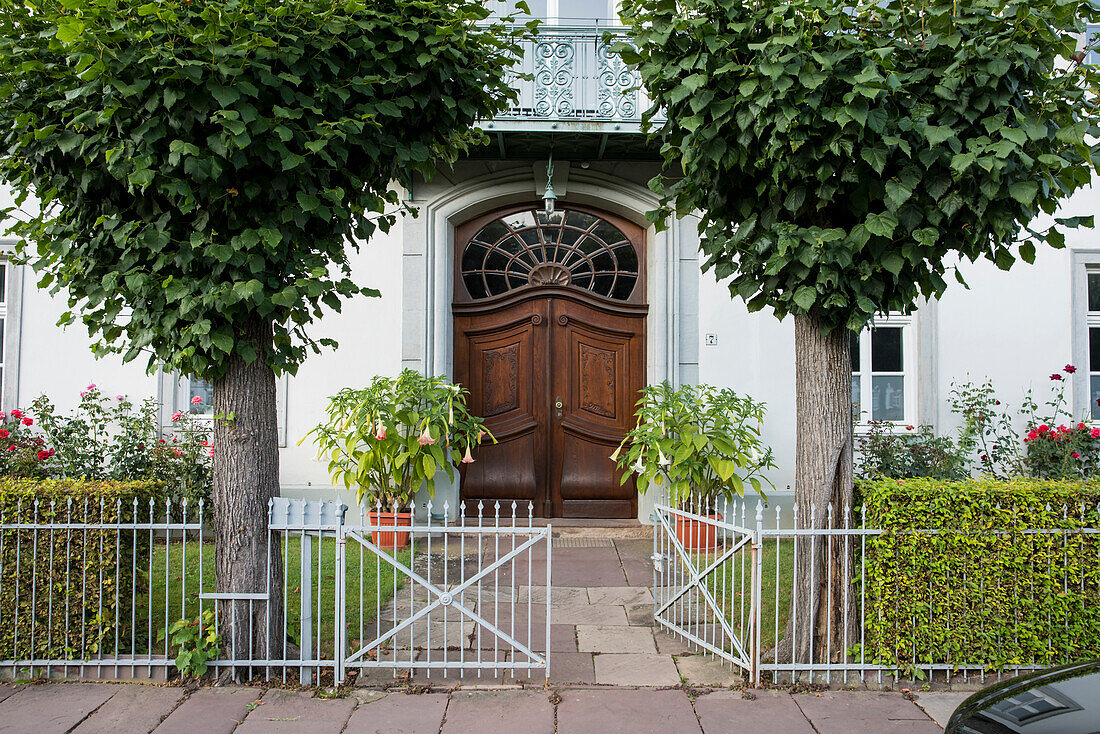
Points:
x=1015, y=327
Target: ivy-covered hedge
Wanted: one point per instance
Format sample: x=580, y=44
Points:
x=62, y=590
x=982, y=590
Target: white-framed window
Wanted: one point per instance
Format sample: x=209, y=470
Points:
x=566, y=12
x=1092, y=355
x=191, y=388
x=884, y=379
x=184, y=390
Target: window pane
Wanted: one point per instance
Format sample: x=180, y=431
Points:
x=1094, y=396
x=1094, y=349
x=888, y=398
x=582, y=12
x=886, y=349
x=205, y=392
x=1094, y=291
x=3, y=282
x=855, y=397
x=2, y=341
x=854, y=340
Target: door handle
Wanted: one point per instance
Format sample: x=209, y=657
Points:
x=558, y=406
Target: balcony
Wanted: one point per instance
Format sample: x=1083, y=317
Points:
x=577, y=84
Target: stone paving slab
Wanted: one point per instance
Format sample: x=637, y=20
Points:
x=849, y=712
x=625, y=711
x=399, y=713
x=590, y=614
x=640, y=615
x=6, y=689
x=729, y=712
x=636, y=670
x=211, y=711
x=133, y=710
x=52, y=708
x=940, y=705
x=586, y=573
x=499, y=712
x=294, y=711
x=704, y=670
x=669, y=644
x=624, y=595
x=572, y=668
x=638, y=573
x=615, y=639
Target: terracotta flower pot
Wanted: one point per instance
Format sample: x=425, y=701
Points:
x=697, y=535
x=391, y=540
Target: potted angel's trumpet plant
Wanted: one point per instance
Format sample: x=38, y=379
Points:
x=392, y=438
x=699, y=444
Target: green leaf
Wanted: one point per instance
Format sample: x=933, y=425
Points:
x=805, y=297
x=1024, y=191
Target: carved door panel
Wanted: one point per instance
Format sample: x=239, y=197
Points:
x=501, y=359
x=597, y=368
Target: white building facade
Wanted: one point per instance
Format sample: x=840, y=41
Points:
x=471, y=289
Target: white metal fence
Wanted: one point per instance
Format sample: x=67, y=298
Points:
x=91, y=589
x=737, y=599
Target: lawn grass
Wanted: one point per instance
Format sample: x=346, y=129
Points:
x=732, y=580
x=174, y=588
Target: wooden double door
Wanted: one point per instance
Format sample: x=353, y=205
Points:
x=556, y=376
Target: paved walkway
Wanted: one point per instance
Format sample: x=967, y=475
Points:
x=85, y=708
x=602, y=630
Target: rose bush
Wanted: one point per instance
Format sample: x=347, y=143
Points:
x=108, y=439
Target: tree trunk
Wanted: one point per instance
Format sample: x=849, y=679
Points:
x=246, y=477
x=823, y=490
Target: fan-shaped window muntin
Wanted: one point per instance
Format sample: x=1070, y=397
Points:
x=566, y=248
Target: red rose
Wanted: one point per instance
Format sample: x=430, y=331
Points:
x=1082, y=427
x=43, y=455
x=1044, y=428
x=1032, y=435
x=1069, y=369
x=16, y=413
x=28, y=422
x=1056, y=376
x=1075, y=455
x=11, y=448
x=3, y=433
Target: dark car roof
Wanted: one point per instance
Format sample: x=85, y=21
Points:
x=1061, y=700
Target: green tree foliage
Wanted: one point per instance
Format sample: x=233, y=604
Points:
x=205, y=163
x=845, y=156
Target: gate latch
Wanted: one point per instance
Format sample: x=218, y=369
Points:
x=658, y=562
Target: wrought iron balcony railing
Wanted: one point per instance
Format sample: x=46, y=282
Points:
x=576, y=82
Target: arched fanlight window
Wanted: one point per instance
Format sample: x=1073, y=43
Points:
x=566, y=248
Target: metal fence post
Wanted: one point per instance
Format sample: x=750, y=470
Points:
x=341, y=608
x=757, y=563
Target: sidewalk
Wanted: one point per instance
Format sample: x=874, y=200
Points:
x=109, y=708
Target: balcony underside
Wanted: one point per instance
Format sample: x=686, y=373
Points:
x=566, y=144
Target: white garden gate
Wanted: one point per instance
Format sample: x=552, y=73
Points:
x=703, y=581
x=468, y=597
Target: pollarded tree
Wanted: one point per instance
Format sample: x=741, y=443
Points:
x=203, y=168
x=843, y=158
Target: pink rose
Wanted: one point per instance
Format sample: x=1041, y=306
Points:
x=177, y=415
x=196, y=400
x=1095, y=433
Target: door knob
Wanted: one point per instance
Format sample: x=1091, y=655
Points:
x=558, y=405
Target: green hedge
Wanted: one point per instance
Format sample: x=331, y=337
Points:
x=981, y=591
x=59, y=598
